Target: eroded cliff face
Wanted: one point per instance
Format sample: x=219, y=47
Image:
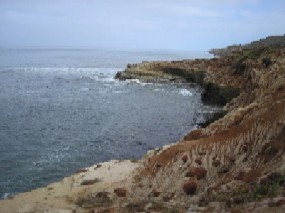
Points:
x=236, y=164
x=234, y=153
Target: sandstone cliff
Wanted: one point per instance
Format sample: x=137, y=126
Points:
x=236, y=164
x=226, y=161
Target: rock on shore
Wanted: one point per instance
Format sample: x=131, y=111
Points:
x=236, y=164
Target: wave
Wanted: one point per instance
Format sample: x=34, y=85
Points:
x=7, y=196
x=136, y=81
x=185, y=92
x=79, y=73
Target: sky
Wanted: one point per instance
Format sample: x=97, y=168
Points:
x=138, y=24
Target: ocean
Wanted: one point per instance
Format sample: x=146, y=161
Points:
x=62, y=110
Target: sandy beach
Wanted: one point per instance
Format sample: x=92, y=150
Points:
x=60, y=197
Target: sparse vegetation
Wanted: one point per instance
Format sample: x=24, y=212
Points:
x=266, y=43
x=255, y=54
x=271, y=186
x=267, y=62
x=239, y=67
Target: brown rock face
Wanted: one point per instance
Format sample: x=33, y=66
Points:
x=120, y=192
x=244, y=144
x=198, y=172
x=190, y=187
x=194, y=135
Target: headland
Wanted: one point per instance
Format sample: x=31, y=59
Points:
x=234, y=164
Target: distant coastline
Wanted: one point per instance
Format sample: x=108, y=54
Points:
x=270, y=41
x=236, y=163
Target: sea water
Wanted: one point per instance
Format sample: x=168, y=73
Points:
x=61, y=110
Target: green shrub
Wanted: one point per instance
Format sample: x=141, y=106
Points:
x=267, y=62
x=239, y=67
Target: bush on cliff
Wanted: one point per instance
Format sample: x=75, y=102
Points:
x=256, y=53
x=239, y=67
x=267, y=62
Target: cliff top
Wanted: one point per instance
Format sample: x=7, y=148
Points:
x=270, y=41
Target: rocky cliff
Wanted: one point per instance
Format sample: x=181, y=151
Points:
x=235, y=164
x=270, y=41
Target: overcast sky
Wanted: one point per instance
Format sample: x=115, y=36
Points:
x=138, y=24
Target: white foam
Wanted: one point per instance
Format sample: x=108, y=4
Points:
x=84, y=89
x=145, y=83
x=159, y=90
x=31, y=92
x=118, y=92
x=136, y=81
x=185, y=92
x=6, y=195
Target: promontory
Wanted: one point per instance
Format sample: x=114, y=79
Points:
x=234, y=164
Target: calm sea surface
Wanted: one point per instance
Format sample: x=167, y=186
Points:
x=61, y=110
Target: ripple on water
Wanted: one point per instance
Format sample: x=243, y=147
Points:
x=56, y=120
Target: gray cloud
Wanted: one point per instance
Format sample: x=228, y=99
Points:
x=168, y=24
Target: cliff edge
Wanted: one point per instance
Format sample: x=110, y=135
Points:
x=235, y=164
x=270, y=41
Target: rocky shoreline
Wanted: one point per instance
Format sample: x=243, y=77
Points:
x=235, y=164
x=182, y=72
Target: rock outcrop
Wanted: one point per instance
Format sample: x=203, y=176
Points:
x=235, y=164
x=236, y=151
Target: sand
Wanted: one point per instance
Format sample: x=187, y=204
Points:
x=60, y=197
